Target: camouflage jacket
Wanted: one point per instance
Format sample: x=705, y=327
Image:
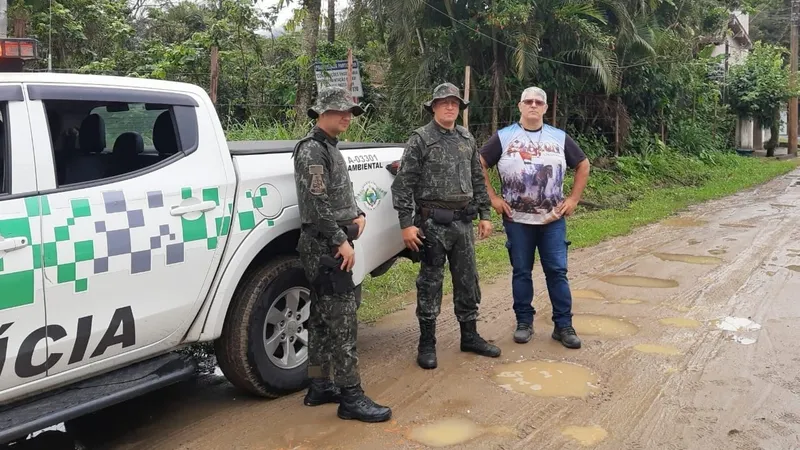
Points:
x=324, y=191
x=438, y=166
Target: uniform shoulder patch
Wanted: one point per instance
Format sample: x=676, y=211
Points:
x=317, y=185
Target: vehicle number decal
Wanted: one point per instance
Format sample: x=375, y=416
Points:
x=363, y=162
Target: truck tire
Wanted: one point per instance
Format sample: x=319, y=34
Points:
x=268, y=319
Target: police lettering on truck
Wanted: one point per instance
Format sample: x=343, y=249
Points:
x=121, y=329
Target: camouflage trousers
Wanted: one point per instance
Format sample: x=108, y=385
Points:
x=332, y=328
x=455, y=243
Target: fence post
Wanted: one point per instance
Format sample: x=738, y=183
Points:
x=466, y=96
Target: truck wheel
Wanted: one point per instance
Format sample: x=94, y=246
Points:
x=264, y=344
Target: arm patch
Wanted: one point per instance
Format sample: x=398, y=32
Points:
x=317, y=184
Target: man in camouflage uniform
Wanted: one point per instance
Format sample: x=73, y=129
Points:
x=331, y=221
x=440, y=173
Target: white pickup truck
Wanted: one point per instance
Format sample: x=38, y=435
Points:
x=130, y=228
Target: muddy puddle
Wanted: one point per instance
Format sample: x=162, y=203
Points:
x=679, y=308
x=779, y=205
x=547, y=379
x=684, y=222
x=680, y=322
x=452, y=431
x=793, y=268
x=657, y=349
x=737, y=225
x=690, y=259
x=630, y=301
x=717, y=251
x=605, y=326
x=638, y=281
x=693, y=242
x=587, y=294
x=585, y=436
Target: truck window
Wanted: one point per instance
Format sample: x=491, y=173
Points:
x=5, y=152
x=96, y=140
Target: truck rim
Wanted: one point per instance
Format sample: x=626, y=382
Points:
x=285, y=332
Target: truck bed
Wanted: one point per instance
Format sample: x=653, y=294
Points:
x=241, y=148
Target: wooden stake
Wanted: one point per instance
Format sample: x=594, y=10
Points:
x=214, y=73
x=792, y=115
x=555, y=106
x=350, y=72
x=466, y=95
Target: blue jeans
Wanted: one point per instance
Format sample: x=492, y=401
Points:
x=551, y=240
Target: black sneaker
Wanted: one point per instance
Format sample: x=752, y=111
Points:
x=524, y=333
x=567, y=336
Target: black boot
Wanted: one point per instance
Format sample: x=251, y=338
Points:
x=426, y=352
x=471, y=341
x=567, y=336
x=320, y=392
x=356, y=405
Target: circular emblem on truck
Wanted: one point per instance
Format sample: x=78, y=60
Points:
x=371, y=194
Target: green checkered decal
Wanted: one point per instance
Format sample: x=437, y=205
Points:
x=81, y=236
x=17, y=273
x=248, y=215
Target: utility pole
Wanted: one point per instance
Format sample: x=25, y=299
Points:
x=3, y=18
x=792, y=115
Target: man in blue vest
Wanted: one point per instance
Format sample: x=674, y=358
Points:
x=532, y=158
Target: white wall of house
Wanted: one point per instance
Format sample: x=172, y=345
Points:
x=737, y=50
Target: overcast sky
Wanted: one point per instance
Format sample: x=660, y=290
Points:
x=286, y=13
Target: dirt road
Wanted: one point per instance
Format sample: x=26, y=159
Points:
x=661, y=367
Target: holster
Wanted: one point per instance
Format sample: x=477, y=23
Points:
x=351, y=231
x=331, y=279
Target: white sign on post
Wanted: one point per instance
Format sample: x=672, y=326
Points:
x=336, y=75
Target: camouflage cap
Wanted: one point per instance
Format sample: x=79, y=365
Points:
x=445, y=90
x=333, y=98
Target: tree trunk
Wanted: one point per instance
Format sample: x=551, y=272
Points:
x=331, y=21
x=774, y=130
x=358, y=16
x=309, y=50
x=758, y=136
x=498, y=77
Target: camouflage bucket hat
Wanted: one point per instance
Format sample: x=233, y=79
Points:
x=334, y=99
x=445, y=90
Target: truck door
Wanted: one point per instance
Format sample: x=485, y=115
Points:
x=140, y=199
x=372, y=184
x=23, y=344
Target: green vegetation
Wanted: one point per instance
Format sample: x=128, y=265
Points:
x=633, y=81
x=649, y=198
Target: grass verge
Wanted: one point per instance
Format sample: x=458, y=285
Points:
x=639, y=191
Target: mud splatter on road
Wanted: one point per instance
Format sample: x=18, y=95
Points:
x=586, y=436
x=657, y=349
x=690, y=259
x=680, y=322
x=587, y=294
x=639, y=281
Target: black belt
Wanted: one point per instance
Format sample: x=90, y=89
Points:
x=466, y=214
x=350, y=230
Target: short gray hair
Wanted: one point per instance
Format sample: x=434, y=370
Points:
x=534, y=92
